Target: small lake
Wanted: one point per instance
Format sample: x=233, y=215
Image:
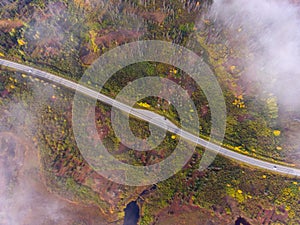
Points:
x=132, y=214
x=241, y=221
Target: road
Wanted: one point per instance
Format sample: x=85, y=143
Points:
x=157, y=120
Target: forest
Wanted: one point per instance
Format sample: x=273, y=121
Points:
x=66, y=37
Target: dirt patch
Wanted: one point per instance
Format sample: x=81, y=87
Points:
x=8, y=25
x=120, y=37
x=157, y=17
x=189, y=215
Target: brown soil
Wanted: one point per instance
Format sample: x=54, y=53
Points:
x=8, y=25
x=157, y=17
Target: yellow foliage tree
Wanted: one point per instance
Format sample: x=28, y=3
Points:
x=144, y=104
x=21, y=42
x=93, y=36
x=276, y=133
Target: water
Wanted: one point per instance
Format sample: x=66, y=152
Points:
x=241, y=221
x=132, y=214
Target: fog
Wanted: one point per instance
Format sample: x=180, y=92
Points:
x=23, y=197
x=272, y=31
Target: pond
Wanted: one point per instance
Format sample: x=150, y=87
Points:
x=132, y=214
x=241, y=221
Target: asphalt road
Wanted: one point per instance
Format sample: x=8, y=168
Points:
x=157, y=120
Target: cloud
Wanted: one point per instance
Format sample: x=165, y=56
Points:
x=23, y=197
x=272, y=28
